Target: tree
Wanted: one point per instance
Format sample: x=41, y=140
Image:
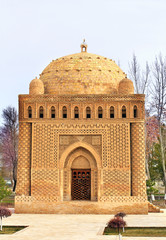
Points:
x=9, y=141
x=4, y=190
x=151, y=190
x=121, y=215
x=116, y=222
x=155, y=164
x=140, y=78
x=158, y=105
x=152, y=135
x=4, y=212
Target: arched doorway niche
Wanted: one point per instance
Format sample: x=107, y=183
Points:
x=80, y=162
x=80, y=157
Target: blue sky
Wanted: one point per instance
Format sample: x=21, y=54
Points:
x=34, y=32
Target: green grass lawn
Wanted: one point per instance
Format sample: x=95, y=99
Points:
x=11, y=229
x=138, y=231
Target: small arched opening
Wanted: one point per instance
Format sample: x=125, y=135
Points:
x=64, y=112
x=29, y=112
x=88, y=112
x=135, y=112
x=52, y=112
x=111, y=112
x=41, y=112
x=76, y=112
x=123, y=112
x=100, y=112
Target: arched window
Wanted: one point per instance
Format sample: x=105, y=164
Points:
x=76, y=112
x=52, y=112
x=100, y=112
x=135, y=112
x=64, y=110
x=88, y=112
x=41, y=112
x=111, y=112
x=123, y=112
x=29, y=112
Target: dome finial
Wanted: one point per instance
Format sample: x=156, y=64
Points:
x=84, y=46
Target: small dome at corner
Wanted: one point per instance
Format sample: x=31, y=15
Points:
x=126, y=86
x=36, y=86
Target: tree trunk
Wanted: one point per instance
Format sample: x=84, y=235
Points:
x=1, y=223
x=162, y=156
x=147, y=157
x=11, y=178
x=14, y=186
x=14, y=177
x=119, y=236
x=147, y=168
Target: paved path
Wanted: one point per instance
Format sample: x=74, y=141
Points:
x=75, y=227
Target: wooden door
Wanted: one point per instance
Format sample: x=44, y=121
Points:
x=81, y=184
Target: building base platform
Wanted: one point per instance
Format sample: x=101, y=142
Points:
x=31, y=205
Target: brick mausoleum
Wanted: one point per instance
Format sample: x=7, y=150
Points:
x=81, y=140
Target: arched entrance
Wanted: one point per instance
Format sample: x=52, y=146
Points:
x=80, y=175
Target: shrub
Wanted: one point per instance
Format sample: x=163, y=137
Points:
x=4, y=212
x=117, y=222
x=120, y=214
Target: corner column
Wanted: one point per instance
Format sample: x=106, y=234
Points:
x=24, y=160
x=138, y=159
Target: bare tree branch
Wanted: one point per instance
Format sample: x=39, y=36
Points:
x=140, y=78
x=158, y=104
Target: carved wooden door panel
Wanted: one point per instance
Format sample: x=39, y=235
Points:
x=81, y=184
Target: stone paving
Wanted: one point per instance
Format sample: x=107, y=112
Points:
x=75, y=227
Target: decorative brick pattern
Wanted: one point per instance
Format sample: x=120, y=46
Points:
x=45, y=183
x=96, y=184
x=138, y=159
x=32, y=199
x=119, y=146
x=94, y=101
x=21, y=108
x=124, y=199
x=79, y=138
x=24, y=160
x=115, y=159
x=65, y=185
x=116, y=182
x=43, y=146
x=81, y=129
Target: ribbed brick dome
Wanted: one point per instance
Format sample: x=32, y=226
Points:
x=36, y=87
x=82, y=73
x=126, y=86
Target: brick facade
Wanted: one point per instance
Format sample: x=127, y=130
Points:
x=51, y=144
